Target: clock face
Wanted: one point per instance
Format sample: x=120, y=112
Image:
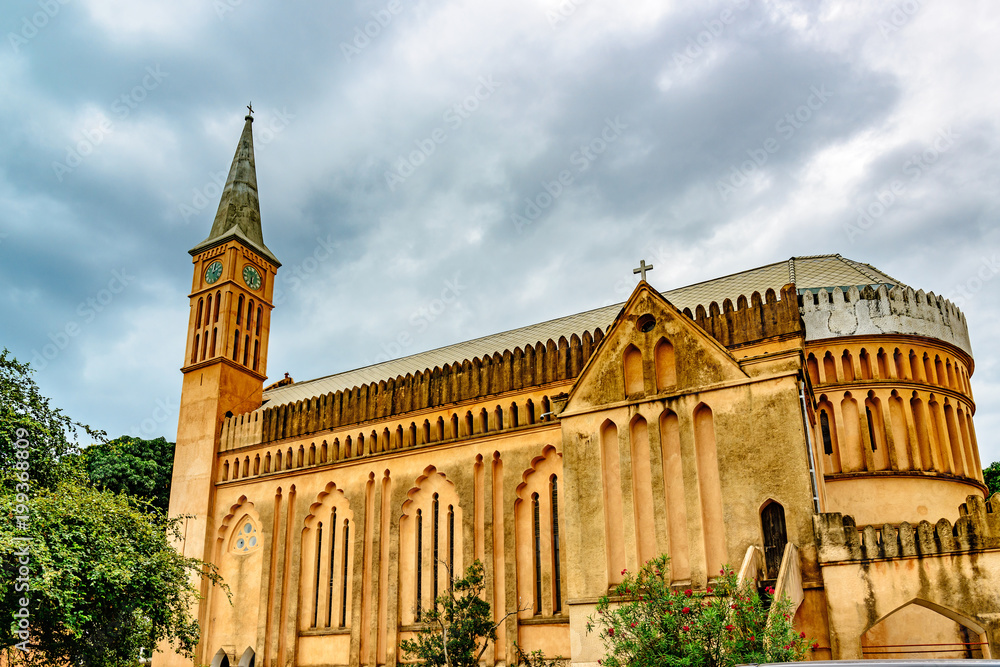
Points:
x=251, y=277
x=213, y=272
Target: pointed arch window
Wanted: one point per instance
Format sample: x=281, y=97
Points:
x=824, y=423
x=537, y=539
x=239, y=311
x=556, y=565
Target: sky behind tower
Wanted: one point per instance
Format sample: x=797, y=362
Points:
x=517, y=158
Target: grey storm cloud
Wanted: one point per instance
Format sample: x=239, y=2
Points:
x=519, y=158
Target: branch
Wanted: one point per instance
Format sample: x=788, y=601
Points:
x=496, y=625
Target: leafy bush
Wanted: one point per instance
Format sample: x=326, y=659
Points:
x=645, y=622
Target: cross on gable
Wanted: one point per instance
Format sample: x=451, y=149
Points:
x=643, y=267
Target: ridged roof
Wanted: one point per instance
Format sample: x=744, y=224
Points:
x=808, y=273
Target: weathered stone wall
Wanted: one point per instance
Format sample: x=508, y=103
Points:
x=829, y=314
x=951, y=569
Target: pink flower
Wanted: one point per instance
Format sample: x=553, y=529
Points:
x=815, y=646
x=732, y=606
x=686, y=610
x=688, y=592
x=709, y=590
x=633, y=625
x=611, y=632
x=802, y=635
x=686, y=628
x=624, y=570
x=730, y=628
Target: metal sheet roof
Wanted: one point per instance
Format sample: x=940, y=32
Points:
x=810, y=272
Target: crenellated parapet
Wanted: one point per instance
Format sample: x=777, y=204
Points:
x=752, y=320
x=830, y=313
x=533, y=366
x=977, y=528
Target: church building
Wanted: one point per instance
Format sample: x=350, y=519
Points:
x=808, y=422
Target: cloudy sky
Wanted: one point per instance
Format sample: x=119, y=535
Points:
x=406, y=148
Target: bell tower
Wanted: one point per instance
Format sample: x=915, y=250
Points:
x=225, y=363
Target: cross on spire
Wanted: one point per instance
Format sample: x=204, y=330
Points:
x=643, y=267
x=250, y=108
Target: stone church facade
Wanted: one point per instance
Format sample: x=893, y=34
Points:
x=809, y=423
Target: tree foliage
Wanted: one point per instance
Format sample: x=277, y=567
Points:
x=88, y=576
x=140, y=468
x=992, y=477
x=50, y=434
x=646, y=622
x=104, y=580
x=460, y=628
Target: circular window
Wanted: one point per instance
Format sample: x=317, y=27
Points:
x=245, y=538
x=645, y=323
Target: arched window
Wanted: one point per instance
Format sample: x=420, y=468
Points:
x=236, y=345
x=632, y=361
x=829, y=368
x=847, y=363
x=454, y=426
x=215, y=337
x=866, y=365
x=772, y=519
x=813, y=367
x=439, y=429
x=218, y=298
x=556, y=564
x=430, y=543
x=239, y=311
x=246, y=348
x=537, y=540
x=824, y=422
x=256, y=353
x=194, y=351
x=260, y=316
x=665, y=364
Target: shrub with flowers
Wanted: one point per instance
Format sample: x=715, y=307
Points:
x=645, y=622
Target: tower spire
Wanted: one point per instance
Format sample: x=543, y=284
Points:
x=239, y=210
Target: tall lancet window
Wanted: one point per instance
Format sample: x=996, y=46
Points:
x=556, y=566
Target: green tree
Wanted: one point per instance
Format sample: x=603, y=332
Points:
x=992, y=477
x=459, y=628
x=646, y=622
x=51, y=435
x=87, y=576
x=105, y=581
x=138, y=467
